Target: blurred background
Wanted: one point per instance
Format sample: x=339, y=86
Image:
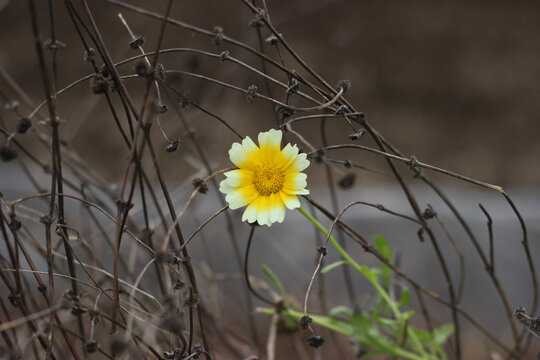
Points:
x=455, y=84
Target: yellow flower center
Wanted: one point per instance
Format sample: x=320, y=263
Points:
x=268, y=180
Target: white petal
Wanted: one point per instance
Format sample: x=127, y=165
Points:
x=249, y=146
x=263, y=211
x=241, y=196
x=242, y=154
x=225, y=187
x=251, y=213
x=277, y=209
x=281, y=216
x=290, y=201
x=239, y=177
x=235, y=200
x=300, y=180
x=288, y=155
x=300, y=163
x=237, y=154
x=295, y=183
x=270, y=138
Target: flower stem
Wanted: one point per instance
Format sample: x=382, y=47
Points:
x=362, y=269
x=340, y=327
x=370, y=276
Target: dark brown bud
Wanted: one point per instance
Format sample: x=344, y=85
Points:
x=118, y=345
x=293, y=86
x=272, y=40
x=251, y=93
x=315, y=341
x=357, y=135
x=135, y=43
x=305, y=322
x=7, y=153
x=173, y=146
x=200, y=185
x=343, y=84
x=24, y=125
x=89, y=55
x=429, y=213
x=218, y=37
x=347, y=181
x=91, y=346
x=98, y=84
x=141, y=68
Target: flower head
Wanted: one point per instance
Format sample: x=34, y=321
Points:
x=268, y=178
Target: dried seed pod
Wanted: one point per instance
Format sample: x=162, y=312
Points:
x=24, y=125
x=7, y=153
x=315, y=341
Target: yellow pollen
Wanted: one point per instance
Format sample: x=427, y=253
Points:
x=268, y=180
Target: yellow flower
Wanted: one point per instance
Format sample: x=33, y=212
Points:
x=268, y=178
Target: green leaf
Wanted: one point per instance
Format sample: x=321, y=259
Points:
x=273, y=277
x=342, y=309
x=340, y=326
x=393, y=323
x=422, y=335
x=329, y=267
x=407, y=315
x=426, y=340
x=442, y=333
x=404, y=298
x=364, y=323
x=382, y=247
x=380, y=305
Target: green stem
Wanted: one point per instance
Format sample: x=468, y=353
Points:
x=361, y=269
x=340, y=327
x=338, y=247
x=416, y=344
x=366, y=272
